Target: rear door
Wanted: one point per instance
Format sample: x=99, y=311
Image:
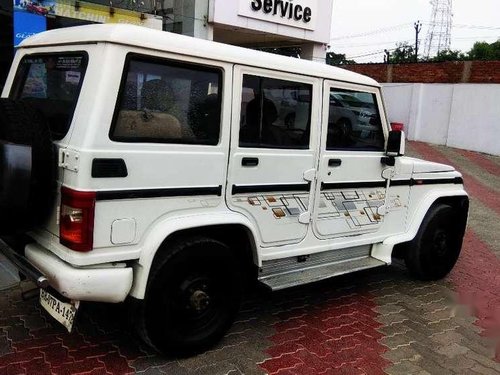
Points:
x=273, y=153
x=350, y=190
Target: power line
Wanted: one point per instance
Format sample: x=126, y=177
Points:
x=476, y=27
x=369, y=44
x=476, y=37
x=377, y=31
x=371, y=53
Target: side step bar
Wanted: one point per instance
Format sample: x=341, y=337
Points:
x=23, y=265
x=312, y=273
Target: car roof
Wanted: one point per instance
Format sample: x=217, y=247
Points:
x=138, y=36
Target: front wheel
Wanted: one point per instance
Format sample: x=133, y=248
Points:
x=193, y=296
x=436, y=247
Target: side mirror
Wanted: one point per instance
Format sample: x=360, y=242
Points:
x=396, y=143
x=395, y=147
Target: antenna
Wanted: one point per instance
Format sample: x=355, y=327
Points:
x=439, y=33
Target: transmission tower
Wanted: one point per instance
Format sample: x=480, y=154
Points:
x=439, y=33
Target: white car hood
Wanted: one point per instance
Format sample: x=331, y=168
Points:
x=423, y=166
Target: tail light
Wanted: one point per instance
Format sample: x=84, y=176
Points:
x=76, y=224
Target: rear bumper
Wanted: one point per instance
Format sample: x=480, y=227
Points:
x=99, y=284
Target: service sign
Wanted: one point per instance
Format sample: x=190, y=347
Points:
x=295, y=13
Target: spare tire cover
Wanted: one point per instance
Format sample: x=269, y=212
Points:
x=27, y=167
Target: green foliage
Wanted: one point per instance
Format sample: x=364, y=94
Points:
x=485, y=51
x=480, y=51
x=333, y=58
x=403, y=53
x=449, y=55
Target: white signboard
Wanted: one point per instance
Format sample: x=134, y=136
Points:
x=295, y=13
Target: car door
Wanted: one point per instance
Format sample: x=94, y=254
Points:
x=351, y=191
x=273, y=154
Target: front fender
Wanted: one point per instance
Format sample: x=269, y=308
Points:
x=418, y=215
x=169, y=226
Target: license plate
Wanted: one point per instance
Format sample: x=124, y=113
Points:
x=63, y=312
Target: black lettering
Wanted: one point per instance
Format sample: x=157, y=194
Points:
x=297, y=13
x=284, y=8
x=307, y=14
x=275, y=7
x=290, y=11
x=268, y=6
x=256, y=5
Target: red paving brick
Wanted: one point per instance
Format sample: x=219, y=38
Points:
x=482, y=289
x=345, y=343
x=13, y=369
x=481, y=161
x=474, y=187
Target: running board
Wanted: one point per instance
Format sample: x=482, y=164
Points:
x=315, y=273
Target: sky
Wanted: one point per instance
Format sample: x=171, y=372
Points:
x=383, y=23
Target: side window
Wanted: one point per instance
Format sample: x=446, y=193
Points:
x=275, y=113
x=168, y=102
x=354, y=121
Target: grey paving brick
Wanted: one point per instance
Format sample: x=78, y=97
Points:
x=480, y=369
x=402, y=354
x=406, y=367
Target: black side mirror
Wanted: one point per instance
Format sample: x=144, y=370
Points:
x=395, y=147
x=395, y=143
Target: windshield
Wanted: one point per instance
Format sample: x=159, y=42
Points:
x=51, y=83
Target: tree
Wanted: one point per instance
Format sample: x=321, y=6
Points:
x=333, y=58
x=485, y=51
x=449, y=55
x=404, y=53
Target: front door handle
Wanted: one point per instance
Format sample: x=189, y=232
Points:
x=334, y=162
x=250, y=162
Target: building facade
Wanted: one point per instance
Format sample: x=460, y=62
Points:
x=303, y=24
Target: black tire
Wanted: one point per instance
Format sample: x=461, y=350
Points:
x=435, y=249
x=192, y=298
x=28, y=186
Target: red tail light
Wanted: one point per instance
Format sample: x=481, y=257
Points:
x=76, y=224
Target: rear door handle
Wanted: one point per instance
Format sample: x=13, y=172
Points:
x=250, y=162
x=334, y=162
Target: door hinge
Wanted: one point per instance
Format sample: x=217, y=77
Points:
x=310, y=175
x=69, y=159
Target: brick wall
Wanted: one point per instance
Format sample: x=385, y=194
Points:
x=432, y=72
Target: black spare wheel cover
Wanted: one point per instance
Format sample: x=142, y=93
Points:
x=27, y=167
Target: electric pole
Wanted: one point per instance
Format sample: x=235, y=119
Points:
x=418, y=27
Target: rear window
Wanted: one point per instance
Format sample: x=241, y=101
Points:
x=164, y=101
x=51, y=83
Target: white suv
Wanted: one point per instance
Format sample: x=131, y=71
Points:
x=153, y=167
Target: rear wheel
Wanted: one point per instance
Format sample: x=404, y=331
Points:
x=436, y=247
x=192, y=298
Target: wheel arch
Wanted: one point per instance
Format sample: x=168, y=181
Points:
x=458, y=200
x=230, y=228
